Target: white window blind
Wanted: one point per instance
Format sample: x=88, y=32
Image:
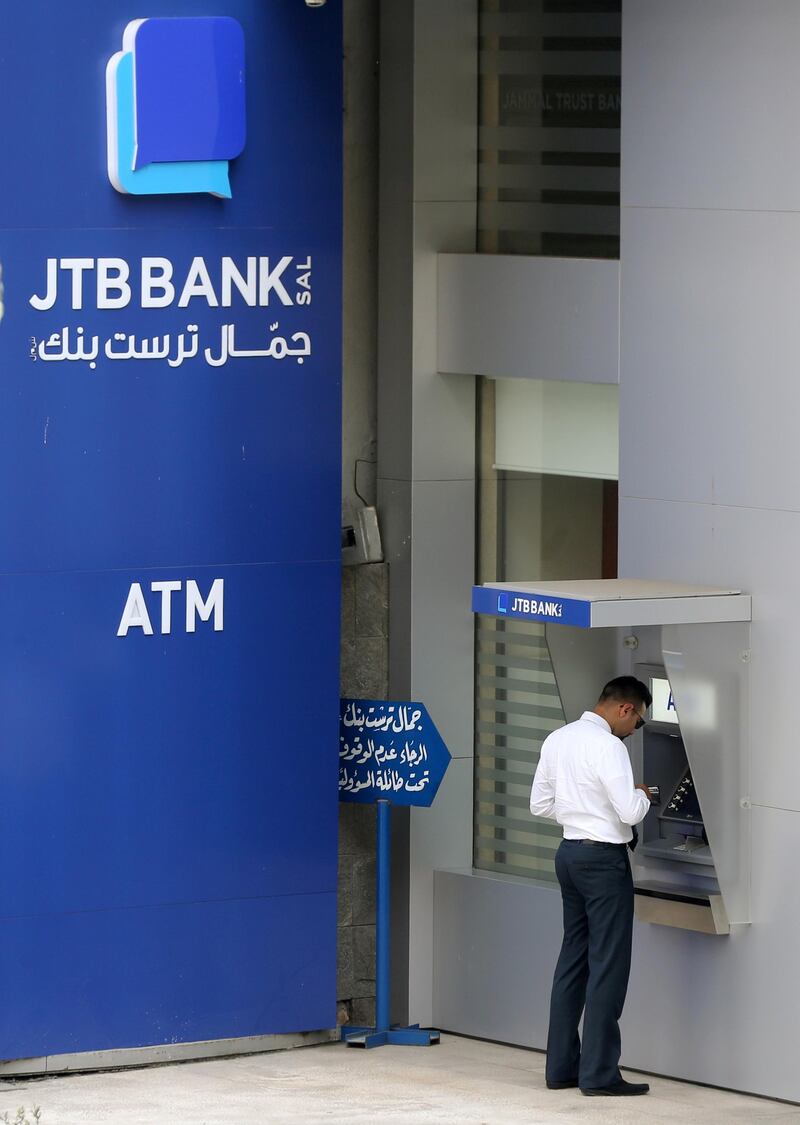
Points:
x=517, y=706
x=547, y=426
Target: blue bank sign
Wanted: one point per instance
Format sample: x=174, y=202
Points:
x=389, y=751
x=170, y=491
x=527, y=605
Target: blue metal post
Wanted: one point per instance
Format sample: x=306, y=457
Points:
x=383, y=916
x=382, y=1033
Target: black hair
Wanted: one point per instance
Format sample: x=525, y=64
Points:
x=626, y=689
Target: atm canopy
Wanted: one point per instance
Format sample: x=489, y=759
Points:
x=610, y=602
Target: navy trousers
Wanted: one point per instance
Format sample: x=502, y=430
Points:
x=591, y=976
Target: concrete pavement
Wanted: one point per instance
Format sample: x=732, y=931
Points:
x=460, y=1082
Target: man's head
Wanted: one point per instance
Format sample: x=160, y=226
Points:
x=623, y=703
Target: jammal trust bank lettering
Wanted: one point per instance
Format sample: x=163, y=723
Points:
x=532, y=606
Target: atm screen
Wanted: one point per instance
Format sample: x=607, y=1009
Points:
x=663, y=709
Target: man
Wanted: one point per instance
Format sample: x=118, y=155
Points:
x=585, y=782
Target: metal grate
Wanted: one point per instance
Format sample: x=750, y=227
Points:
x=549, y=165
x=517, y=706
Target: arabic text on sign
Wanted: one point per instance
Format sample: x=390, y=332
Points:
x=63, y=345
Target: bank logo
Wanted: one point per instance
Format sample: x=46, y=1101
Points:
x=175, y=106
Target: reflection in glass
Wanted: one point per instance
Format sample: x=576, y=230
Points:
x=550, y=127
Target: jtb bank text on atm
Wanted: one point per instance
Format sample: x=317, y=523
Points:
x=537, y=608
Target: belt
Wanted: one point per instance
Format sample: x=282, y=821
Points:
x=596, y=843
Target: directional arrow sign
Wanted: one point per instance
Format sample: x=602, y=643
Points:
x=389, y=751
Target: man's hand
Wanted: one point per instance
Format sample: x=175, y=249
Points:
x=646, y=792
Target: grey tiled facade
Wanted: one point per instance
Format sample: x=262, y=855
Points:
x=364, y=675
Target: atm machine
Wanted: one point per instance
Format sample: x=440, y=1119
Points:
x=674, y=864
x=674, y=827
x=690, y=645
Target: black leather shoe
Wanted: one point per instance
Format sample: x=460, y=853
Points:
x=621, y=1089
x=572, y=1085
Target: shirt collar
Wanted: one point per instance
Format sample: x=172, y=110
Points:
x=598, y=720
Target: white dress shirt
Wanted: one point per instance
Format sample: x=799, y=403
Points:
x=585, y=782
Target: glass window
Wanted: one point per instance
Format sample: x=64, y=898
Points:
x=549, y=167
x=531, y=526
x=557, y=428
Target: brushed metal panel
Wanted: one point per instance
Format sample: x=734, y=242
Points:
x=708, y=919
x=529, y=318
x=669, y=611
x=583, y=660
x=710, y=91
x=709, y=393
x=700, y=1008
x=442, y=624
x=496, y=945
x=443, y=406
x=725, y=1011
x=659, y=537
x=763, y=547
x=441, y=836
x=756, y=550
x=708, y=674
